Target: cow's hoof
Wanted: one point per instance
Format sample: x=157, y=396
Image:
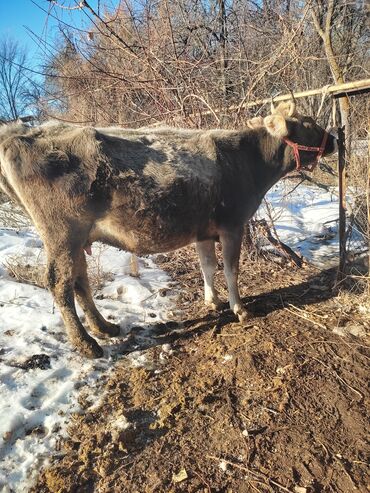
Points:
x=90, y=348
x=214, y=304
x=107, y=329
x=243, y=316
x=241, y=313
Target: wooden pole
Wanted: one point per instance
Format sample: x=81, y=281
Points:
x=342, y=201
x=333, y=90
x=368, y=223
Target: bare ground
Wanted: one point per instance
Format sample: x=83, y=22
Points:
x=276, y=405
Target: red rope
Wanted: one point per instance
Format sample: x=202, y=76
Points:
x=298, y=147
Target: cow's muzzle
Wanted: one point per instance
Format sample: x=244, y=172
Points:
x=319, y=150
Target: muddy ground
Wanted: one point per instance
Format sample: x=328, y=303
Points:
x=278, y=404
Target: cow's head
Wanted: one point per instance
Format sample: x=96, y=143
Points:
x=307, y=139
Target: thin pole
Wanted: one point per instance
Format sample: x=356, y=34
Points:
x=330, y=90
x=342, y=201
x=336, y=90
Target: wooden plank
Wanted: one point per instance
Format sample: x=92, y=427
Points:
x=342, y=201
x=336, y=90
x=340, y=89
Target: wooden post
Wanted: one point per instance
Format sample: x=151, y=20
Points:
x=368, y=223
x=342, y=201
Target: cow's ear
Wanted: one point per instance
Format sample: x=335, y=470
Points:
x=276, y=126
x=286, y=108
x=256, y=122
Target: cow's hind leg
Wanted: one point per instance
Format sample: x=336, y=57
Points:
x=231, y=244
x=60, y=279
x=96, y=321
x=208, y=263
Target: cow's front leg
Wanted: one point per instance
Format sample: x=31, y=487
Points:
x=231, y=244
x=208, y=263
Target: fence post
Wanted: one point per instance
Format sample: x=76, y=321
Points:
x=342, y=201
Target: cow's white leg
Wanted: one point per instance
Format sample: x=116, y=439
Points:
x=208, y=263
x=231, y=244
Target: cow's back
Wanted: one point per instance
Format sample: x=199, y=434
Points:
x=162, y=153
x=166, y=189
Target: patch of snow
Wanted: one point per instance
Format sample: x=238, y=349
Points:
x=305, y=219
x=364, y=309
x=227, y=357
x=166, y=348
x=166, y=351
x=356, y=330
x=120, y=423
x=35, y=404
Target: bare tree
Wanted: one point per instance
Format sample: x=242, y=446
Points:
x=342, y=29
x=16, y=87
x=187, y=62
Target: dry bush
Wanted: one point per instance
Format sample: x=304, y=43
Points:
x=98, y=277
x=19, y=268
x=186, y=63
x=358, y=179
x=24, y=271
x=12, y=216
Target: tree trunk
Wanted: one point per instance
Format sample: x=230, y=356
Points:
x=223, y=51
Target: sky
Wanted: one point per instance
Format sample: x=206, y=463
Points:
x=18, y=17
x=35, y=26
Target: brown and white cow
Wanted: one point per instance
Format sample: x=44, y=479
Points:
x=147, y=191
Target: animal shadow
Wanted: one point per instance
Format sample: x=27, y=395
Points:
x=315, y=289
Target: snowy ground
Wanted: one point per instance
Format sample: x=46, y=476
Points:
x=306, y=219
x=36, y=402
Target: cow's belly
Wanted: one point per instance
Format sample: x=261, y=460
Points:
x=156, y=237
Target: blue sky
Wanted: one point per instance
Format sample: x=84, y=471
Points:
x=18, y=15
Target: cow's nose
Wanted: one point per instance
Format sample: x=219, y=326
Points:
x=333, y=131
x=334, y=143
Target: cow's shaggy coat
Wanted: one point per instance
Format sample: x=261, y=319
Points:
x=147, y=191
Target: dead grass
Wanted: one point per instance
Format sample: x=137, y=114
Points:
x=23, y=270
x=20, y=269
x=12, y=216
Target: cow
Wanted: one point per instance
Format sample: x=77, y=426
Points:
x=148, y=191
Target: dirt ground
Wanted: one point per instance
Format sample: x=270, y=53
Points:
x=278, y=404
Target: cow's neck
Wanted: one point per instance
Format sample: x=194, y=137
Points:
x=274, y=160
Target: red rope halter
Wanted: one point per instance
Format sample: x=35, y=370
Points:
x=297, y=147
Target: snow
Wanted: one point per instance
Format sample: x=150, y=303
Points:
x=36, y=403
x=305, y=219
